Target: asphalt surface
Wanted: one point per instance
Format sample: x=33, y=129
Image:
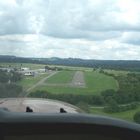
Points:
x=78, y=80
x=38, y=105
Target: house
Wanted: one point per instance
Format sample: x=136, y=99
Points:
x=25, y=69
x=28, y=72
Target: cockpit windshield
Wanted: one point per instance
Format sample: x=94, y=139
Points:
x=67, y=56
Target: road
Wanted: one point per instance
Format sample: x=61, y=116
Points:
x=101, y=107
x=22, y=96
x=27, y=91
x=40, y=82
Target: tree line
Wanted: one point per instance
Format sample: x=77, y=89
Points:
x=132, y=65
x=8, y=86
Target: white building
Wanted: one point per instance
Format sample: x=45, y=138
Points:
x=25, y=69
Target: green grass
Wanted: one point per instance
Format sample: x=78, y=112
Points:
x=95, y=83
x=61, y=77
x=62, y=90
x=18, y=65
x=27, y=81
x=38, y=66
x=74, y=68
x=126, y=115
x=98, y=82
x=117, y=72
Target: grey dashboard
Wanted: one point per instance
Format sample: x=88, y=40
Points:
x=62, y=126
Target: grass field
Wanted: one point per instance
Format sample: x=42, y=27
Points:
x=39, y=66
x=61, y=77
x=27, y=82
x=18, y=65
x=117, y=72
x=98, y=82
x=74, y=68
x=95, y=83
x=126, y=115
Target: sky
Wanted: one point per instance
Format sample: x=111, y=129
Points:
x=88, y=29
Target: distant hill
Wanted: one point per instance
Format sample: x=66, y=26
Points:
x=106, y=64
x=7, y=56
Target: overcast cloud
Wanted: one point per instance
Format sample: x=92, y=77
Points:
x=90, y=29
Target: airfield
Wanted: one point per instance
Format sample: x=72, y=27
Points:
x=69, y=82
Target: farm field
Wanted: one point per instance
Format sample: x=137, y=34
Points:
x=126, y=115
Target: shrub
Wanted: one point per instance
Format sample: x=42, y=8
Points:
x=137, y=117
x=83, y=106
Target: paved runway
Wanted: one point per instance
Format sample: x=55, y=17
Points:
x=78, y=81
x=38, y=105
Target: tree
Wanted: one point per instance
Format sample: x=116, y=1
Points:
x=96, y=100
x=137, y=117
x=84, y=106
x=47, y=68
x=4, y=78
x=108, y=93
x=15, y=76
x=112, y=105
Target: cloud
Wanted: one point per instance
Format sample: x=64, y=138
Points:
x=69, y=19
x=86, y=18
x=83, y=28
x=111, y=16
x=131, y=38
x=44, y=46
